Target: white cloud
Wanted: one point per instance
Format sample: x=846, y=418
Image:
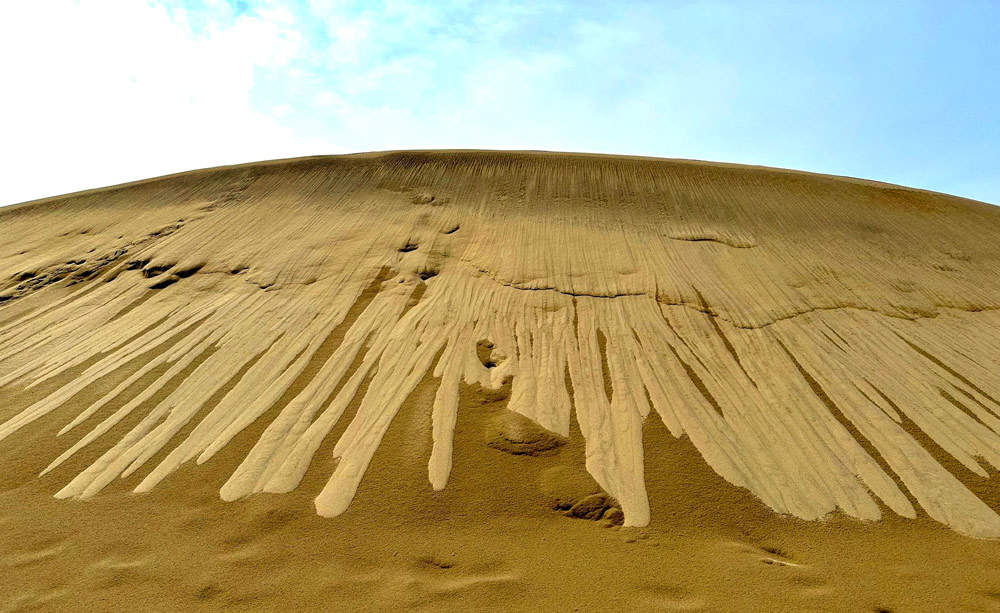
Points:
x=104, y=92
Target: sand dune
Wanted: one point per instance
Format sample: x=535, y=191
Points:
x=463, y=349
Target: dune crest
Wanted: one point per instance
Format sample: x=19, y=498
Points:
x=823, y=342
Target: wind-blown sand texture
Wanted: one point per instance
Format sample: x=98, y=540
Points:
x=754, y=353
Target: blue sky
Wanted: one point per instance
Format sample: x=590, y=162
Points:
x=103, y=91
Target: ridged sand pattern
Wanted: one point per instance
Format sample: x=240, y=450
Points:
x=822, y=341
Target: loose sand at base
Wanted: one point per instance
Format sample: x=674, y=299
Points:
x=500, y=381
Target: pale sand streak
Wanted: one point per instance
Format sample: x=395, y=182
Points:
x=771, y=317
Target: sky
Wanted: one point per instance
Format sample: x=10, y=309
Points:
x=99, y=92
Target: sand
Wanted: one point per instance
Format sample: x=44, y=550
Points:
x=500, y=381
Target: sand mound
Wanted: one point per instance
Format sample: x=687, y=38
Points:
x=822, y=341
x=828, y=344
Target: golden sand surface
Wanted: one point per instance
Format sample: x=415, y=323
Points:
x=511, y=381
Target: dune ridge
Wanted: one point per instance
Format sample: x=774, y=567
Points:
x=825, y=343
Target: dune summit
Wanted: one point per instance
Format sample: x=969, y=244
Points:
x=828, y=344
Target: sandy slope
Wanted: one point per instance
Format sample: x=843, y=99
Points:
x=440, y=359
